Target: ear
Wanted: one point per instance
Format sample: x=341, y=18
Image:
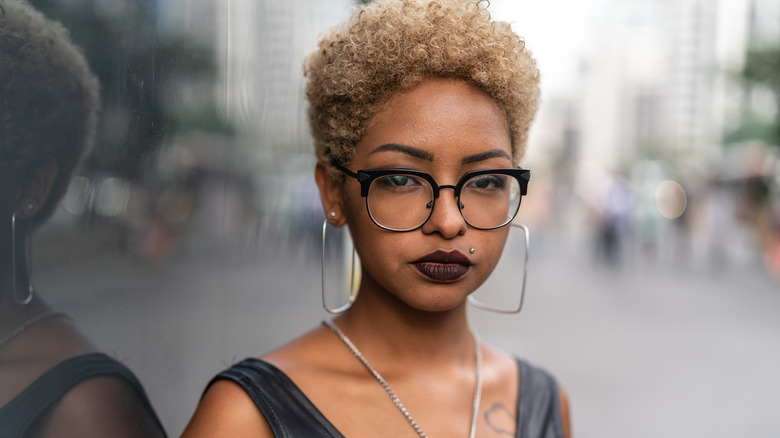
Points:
x=35, y=187
x=331, y=195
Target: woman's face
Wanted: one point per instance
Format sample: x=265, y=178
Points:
x=446, y=128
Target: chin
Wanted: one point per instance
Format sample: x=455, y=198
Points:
x=429, y=301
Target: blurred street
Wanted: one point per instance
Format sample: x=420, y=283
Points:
x=647, y=349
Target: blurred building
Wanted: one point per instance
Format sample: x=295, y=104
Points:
x=261, y=50
x=647, y=91
x=259, y=47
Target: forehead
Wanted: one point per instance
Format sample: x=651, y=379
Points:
x=445, y=116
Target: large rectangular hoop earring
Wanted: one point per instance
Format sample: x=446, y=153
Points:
x=514, y=310
x=28, y=251
x=353, y=293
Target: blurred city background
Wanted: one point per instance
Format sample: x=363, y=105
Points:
x=191, y=239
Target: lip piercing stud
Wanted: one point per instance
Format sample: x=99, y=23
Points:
x=471, y=250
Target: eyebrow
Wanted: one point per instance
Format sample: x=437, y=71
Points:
x=495, y=153
x=409, y=150
x=425, y=155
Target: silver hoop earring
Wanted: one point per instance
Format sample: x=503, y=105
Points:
x=28, y=251
x=342, y=308
x=480, y=305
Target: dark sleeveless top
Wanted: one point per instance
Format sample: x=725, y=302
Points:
x=290, y=413
x=20, y=415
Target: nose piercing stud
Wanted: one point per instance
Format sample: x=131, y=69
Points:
x=471, y=250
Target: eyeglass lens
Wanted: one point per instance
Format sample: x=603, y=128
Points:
x=405, y=202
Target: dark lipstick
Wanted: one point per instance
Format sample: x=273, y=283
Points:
x=443, y=266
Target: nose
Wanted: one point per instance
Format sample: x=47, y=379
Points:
x=445, y=218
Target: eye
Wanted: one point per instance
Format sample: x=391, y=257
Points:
x=487, y=182
x=398, y=181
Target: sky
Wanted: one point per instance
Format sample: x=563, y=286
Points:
x=558, y=32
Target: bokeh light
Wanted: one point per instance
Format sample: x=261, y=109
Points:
x=670, y=199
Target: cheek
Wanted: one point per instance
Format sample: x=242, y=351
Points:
x=372, y=244
x=382, y=253
x=382, y=258
x=356, y=216
x=489, y=247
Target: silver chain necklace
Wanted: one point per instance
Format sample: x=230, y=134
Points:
x=26, y=325
x=391, y=393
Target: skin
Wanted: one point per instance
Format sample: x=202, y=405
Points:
x=413, y=330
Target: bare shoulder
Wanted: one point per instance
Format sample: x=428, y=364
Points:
x=499, y=364
x=499, y=391
x=311, y=351
x=226, y=410
x=565, y=415
x=105, y=406
x=503, y=369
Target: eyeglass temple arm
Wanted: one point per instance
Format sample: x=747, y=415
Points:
x=345, y=170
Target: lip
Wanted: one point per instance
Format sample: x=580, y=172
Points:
x=443, y=266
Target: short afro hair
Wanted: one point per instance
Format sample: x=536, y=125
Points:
x=392, y=45
x=49, y=98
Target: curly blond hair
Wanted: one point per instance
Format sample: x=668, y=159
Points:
x=48, y=96
x=392, y=45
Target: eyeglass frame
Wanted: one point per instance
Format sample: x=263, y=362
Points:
x=366, y=177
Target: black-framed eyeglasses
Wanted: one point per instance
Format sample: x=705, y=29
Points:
x=403, y=200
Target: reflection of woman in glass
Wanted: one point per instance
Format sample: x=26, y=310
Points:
x=53, y=381
x=420, y=112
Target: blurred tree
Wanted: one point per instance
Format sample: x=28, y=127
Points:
x=762, y=66
x=138, y=66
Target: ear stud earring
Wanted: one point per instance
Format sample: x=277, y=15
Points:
x=30, y=206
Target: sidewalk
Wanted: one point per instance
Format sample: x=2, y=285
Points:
x=649, y=351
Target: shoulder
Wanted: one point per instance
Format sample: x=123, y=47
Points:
x=534, y=382
x=105, y=406
x=536, y=379
x=226, y=410
x=313, y=348
x=565, y=416
x=237, y=401
x=542, y=401
x=543, y=398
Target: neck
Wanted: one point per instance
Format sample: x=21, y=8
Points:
x=12, y=313
x=384, y=326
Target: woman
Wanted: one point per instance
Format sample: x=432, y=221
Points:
x=53, y=380
x=420, y=112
